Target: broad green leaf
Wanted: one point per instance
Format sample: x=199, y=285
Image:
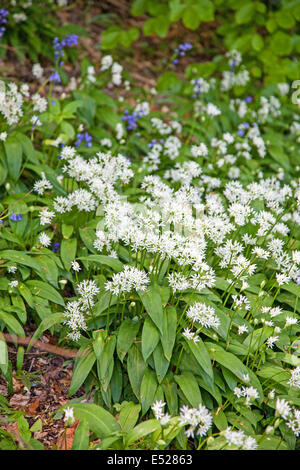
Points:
x=235, y=365
x=21, y=258
x=105, y=363
x=45, y=291
x=199, y=351
x=105, y=301
x=150, y=338
x=13, y=151
x=113, y=263
x=189, y=387
x=100, y=421
x=148, y=389
x=81, y=437
x=68, y=251
x=170, y=392
x=152, y=302
x=81, y=370
x=142, y=430
x=45, y=324
x=126, y=335
x=169, y=331
x=128, y=416
x=136, y=368
x=3, y=354
x=160, y=362
x=257, y=337
x=12, y=323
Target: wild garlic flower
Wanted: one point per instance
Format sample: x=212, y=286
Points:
x=69, y=416
x=198, y=419
x=128, y=280
x=283, y=409
x=190, y=335
x=203, y=314
x=294, y=422
x=13, y=283
x=75, y=266
x=157, y=409
x=44, y=239
x=294, y=381
x=41, y=185
x=46, y=216
x=239, y=439
x=250, y=393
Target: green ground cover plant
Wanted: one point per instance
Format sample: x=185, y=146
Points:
x=156, y=232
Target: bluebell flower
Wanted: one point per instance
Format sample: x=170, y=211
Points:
x=16, y=217
x=181, y=50
x=61, y=146
x=3, y=20
x=54, y=77
x=58, y=46
x=85, y=136
x=241, y=132
x=56, y=247
x=132, y=118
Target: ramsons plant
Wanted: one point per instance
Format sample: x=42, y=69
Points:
x=161, y=239
x=21, y=32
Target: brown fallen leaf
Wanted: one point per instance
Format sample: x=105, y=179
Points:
x=19, y=400
x=65, y=440
x=32, y=407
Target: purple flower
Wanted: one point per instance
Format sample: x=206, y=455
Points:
x=3, y=20
x=54, y=77
x=16, y=217
x=248, y=99
x=132, y=118
x=181, y=50
x=56, y=247
x=241, y=132
x=85, y=136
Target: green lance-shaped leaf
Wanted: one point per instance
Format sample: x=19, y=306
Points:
x=100, y=421
x=126, y=335
x=82, y=369
x=128, y=416
x=81, y=438
x=148, y=389
x=150, y=338
x=190, y=388
x=136, y=368
x=142, y=430
x=169, y=331
x=201, y=355
x=152, y=302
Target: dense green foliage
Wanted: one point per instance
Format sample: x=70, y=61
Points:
x=158, y=233
x=267, y=33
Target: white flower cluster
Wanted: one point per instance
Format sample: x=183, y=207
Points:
x=77, y=310
x=107, y=62
x=250, y=393
x=203, y=314
x=128, y=280
x=240, y=440
x=198, y=419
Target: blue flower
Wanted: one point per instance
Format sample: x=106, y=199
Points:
x=56, y=247
x=181, y=50
x=54, y=77
x=3, y=20
x=16, y=217
x=85, y=136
